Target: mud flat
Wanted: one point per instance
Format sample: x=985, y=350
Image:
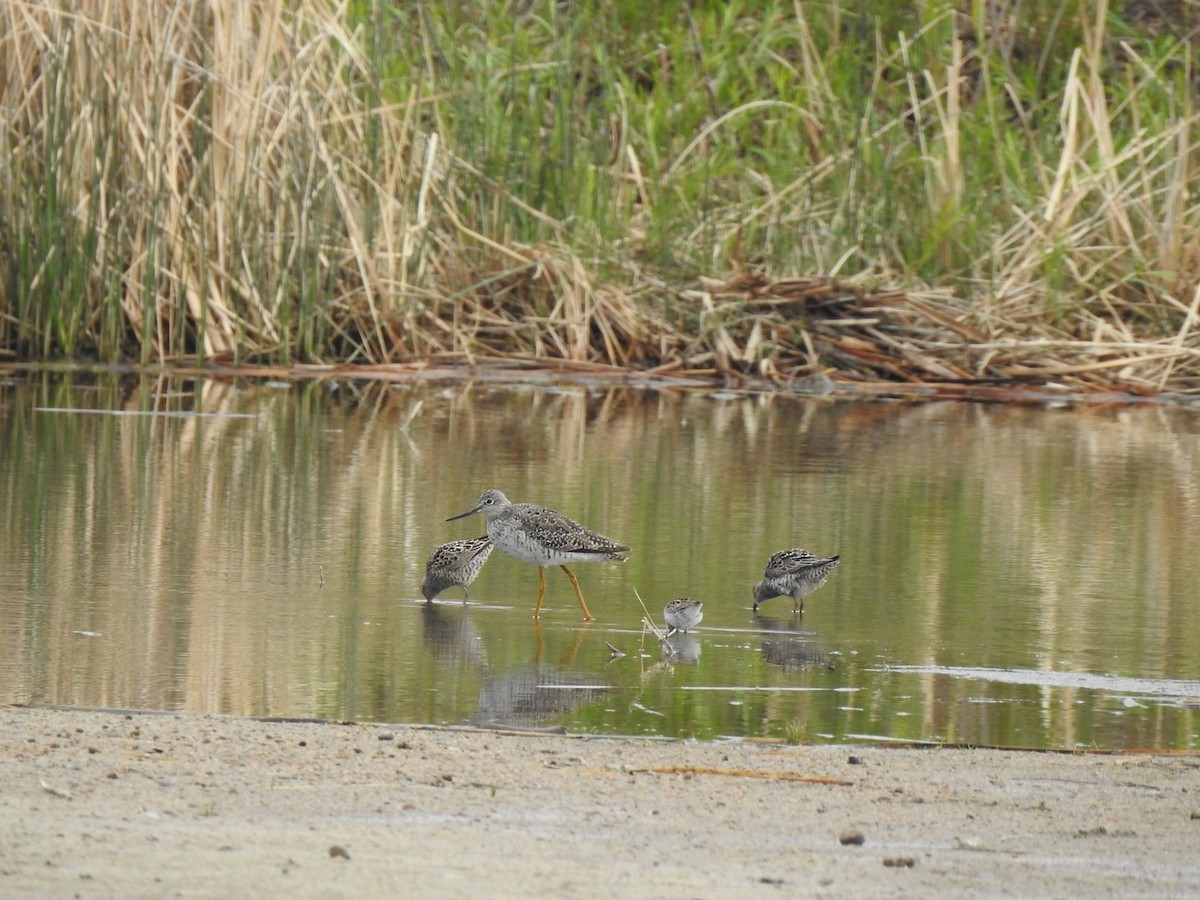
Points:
x=115, y=804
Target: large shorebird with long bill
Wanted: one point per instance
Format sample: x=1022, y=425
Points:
x=544, y=537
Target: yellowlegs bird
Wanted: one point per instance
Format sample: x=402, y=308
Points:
x=544, y=537
x=455, y=563
x=793, y=573
x=682, y=614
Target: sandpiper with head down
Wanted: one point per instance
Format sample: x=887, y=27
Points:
x=455, y=563
x=683, y=614
x=793, y=573
x=544, y=537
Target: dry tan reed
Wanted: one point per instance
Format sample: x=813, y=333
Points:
x=224, y=180
x=216, y=152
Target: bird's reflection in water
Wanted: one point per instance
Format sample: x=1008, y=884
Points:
x=449, y=631
x=534, y=695
x=791, y=646
x=681, y=648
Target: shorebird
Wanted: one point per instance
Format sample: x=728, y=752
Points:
x=793, y=573
x=544, y=537
x=682, y=614
x=455, y=563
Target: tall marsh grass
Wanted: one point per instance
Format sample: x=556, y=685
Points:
x=973, y=190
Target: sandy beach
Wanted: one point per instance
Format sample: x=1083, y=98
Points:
x=115, y=804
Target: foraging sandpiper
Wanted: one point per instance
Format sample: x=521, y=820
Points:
x=793, y=573
x=455, y=563
x=682, y=614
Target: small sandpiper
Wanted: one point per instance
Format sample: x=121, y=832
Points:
x=793, y=573
x=544, y=537
x=682, y=614
x=455, y=563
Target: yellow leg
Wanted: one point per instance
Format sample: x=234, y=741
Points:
x=537, y=610
x=587, y=615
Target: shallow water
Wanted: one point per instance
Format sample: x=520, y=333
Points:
x=1010, y=576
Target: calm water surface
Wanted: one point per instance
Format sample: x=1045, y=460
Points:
x=1009, y=576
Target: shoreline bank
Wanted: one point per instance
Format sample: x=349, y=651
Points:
x=126, y=804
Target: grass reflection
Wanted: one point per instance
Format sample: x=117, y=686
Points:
x=265, y=558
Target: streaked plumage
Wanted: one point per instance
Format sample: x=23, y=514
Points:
x=544, y=537
x=682, y=614
x=793, y=573
x=455, y=563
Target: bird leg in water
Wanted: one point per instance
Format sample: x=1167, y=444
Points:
x=587, y=615
x=537, y=610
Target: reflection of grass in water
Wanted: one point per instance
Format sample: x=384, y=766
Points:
x=422, y=178
x=1009, y=535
